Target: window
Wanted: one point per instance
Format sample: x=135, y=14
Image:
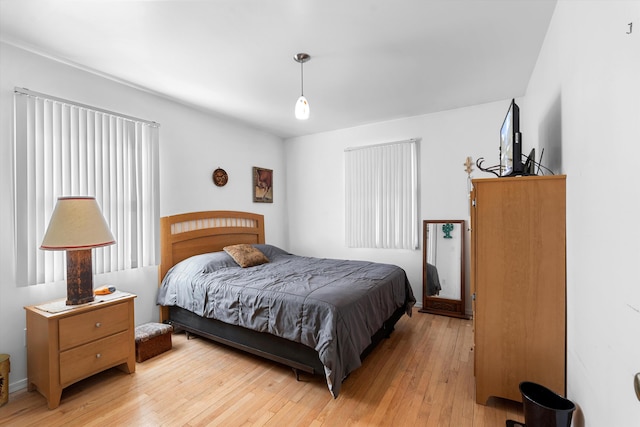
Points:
x=381, y=196
x=67, y=149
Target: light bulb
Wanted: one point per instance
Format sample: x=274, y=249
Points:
x=302, y=108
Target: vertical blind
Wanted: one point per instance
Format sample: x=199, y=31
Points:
x=381, y=196
x=63, y=148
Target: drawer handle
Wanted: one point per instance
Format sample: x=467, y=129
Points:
x=98, y=356
x=98, y=324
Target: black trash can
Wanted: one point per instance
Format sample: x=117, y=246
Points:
x=544, y=408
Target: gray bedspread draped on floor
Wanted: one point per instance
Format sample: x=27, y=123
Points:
x=333, y=306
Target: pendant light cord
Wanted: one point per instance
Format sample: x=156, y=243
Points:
x=301, y=78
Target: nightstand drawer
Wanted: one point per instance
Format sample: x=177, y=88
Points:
x=96, y=324
x=94, y=357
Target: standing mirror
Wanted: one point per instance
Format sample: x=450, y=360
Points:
x=443, y=267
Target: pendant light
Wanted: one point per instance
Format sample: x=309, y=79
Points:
x=302, y=105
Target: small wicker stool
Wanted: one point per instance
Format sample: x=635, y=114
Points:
x=152, y=339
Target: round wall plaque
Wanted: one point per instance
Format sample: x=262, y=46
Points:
x=220, y=177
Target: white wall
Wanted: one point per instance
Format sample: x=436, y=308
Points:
x=192, y=145
x=583, y=103
x=582, y=106
x=315, y=184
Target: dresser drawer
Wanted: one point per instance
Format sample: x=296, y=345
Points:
x=93, y=325
x=88, y=359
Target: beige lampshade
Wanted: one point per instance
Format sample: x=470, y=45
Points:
x=77, y=223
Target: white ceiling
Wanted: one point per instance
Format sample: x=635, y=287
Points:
x=371, y=60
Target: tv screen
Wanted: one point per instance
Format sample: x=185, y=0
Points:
x=510, y=142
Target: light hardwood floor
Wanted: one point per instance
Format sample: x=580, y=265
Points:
x=421, y=376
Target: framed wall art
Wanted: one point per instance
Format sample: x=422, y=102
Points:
x=262, y=185
x=220, y=177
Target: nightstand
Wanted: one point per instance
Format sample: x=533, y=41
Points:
x=66, y=344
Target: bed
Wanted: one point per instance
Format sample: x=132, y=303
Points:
x=433, y=280
x=316, y=315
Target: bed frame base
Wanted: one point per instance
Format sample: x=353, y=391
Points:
x=297, y=356
x=190, y=335
x=277, y=349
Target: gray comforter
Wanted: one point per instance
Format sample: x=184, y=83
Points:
x=333, y=306
x=433, y=280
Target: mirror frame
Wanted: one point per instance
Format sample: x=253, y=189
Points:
x=438, y=305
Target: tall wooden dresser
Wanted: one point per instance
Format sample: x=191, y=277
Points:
x=518, y=279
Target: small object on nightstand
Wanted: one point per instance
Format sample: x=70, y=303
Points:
x=105, y=290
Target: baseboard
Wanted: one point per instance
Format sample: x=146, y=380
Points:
x=18, y=385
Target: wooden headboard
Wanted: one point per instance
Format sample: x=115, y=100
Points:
x=194, y=233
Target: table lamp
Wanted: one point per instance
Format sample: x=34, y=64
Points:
x=77, y=226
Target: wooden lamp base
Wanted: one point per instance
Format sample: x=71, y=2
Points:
x=79, y=277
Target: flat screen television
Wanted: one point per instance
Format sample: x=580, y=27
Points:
x=511, y=143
